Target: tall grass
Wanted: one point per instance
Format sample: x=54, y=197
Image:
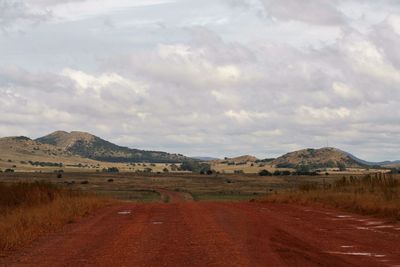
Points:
x=377, y=194
x=28, y=210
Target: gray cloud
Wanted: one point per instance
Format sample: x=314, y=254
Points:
x=203, y=89
x=310, y=11
x=15, y=13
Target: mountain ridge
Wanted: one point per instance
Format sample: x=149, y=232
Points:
x=83, y=145
x=90, y=146
x=22, y=148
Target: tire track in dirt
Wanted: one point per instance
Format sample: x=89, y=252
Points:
x=217, y=234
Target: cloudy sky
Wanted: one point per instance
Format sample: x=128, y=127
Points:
x=211, y=77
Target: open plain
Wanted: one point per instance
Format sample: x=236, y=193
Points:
x=201, y=220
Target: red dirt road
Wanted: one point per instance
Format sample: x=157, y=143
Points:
x=217, y=234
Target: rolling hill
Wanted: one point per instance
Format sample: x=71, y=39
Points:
x=89, y=146
x=327, y=157
x=21, y=148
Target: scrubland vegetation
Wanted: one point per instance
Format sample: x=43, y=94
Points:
x=28, y=210
x=377, y=194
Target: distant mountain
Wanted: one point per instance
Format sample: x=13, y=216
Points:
x=395, y=163
x=369, y=163
x=205, y=158
x=21, y=148
x=327, y=157
x=93, y=147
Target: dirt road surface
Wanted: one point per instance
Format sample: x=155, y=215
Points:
x=217, y=234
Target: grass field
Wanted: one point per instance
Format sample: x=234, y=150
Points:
x=139, y=187
x=80, y=165
x=143, y=196
x=221, y=187
x=377, y=194
x=28, y=210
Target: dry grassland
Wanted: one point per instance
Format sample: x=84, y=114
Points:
x=28, y=210
x=377, y=194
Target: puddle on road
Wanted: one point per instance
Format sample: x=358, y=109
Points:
x=365, y=254
x=157, y=222
x=125, y=212
x=346, y=246
x=384, y=226
x=374, y=223
x=343, y=216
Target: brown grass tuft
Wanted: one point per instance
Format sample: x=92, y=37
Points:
x=369, y=195
x=28, y=210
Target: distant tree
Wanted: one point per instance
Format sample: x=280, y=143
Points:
x=174, y=167
x=330, y=164
x=341, y=166
x=264, y=173
x=195, y=166
x=110, y=169
x=303, y=168
x=165, y=170
x=277, y=173
x=286, y=165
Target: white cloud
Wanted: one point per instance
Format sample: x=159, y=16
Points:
x=366, y=58
x=345, y=91
x=245, y=116
x=394, y=22
x=86, y=81
x=233, y=80
x=228, y=73
x=322, y=115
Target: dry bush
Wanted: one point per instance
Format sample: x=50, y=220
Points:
x=370, y=195
x=28, y=210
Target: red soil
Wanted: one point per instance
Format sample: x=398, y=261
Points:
x=217, y=234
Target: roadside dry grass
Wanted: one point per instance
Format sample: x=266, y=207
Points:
x=28, y=210
x=377, y=195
